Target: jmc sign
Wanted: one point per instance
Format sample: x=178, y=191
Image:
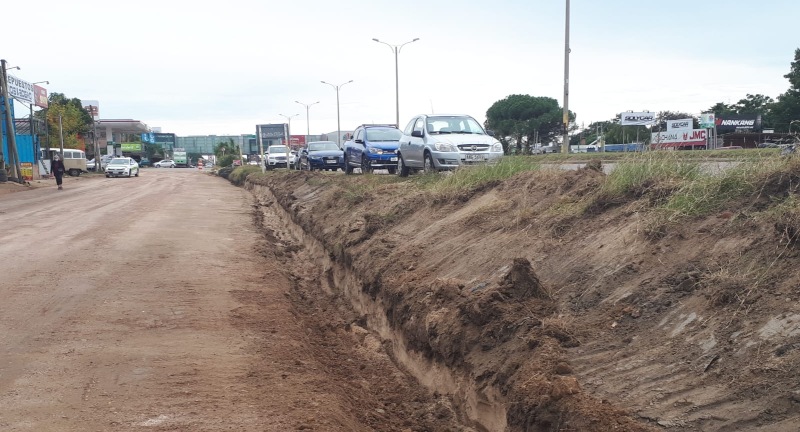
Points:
x=689, y=138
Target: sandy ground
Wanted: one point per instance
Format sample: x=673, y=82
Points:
x=154, y=303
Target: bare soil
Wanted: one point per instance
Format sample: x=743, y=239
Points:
x=534, y=318
x=155, y=303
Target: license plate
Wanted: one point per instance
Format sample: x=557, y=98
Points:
x=474, y=157
x=393, y=159
x=331, y=161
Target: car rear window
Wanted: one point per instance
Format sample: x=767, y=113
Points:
x=383, y=134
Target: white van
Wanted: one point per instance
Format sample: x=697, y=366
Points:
x=74, y=160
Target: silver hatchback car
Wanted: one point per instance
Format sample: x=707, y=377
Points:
x=442, y=142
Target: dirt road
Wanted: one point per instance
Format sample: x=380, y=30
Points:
x=155, y=303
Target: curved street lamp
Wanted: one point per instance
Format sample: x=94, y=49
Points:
x=396, y=49
x=308, y=127
x=338, y=122
x=289, y=128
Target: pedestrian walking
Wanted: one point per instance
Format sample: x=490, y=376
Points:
x=57, y=169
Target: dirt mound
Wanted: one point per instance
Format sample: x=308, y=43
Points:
x=565, y=316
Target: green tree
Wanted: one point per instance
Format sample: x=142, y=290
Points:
x=523, y=119
x=787, y=108
x=225, y=148
x=74, y=119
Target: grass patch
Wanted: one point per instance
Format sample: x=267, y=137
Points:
x=239, y=174
x=711, y=192
x=634, y=175
x=473, y=177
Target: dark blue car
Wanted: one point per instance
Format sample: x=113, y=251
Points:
x=372, y=147
x=321, y=155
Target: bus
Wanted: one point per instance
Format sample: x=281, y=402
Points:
x=74, y=160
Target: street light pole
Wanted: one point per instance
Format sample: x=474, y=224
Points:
x=338, y=122
x=288, y=135
x=396, y=49
x=308, y=127
x=565, y=145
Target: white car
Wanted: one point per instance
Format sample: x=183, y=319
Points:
x=276, y=156
x=443, y=142
x=166, y=163
x=122, y=167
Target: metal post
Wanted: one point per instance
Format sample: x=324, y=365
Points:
x=260, y=150
x=61, y=134
x=338, y=123
x=396, y=88
x=396, y=49
x=565, y=146
x=308, y=124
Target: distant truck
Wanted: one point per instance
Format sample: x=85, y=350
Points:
x=180, y=158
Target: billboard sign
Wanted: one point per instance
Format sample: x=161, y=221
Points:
x=637, y=118
x=163, y=138
x=271, y=131
x=738, y=123
x=20, y=90
x=131, y=147
x=707, y=120
x=689, y=138
x=680, y=125
x=148, y=138
x=40, y=96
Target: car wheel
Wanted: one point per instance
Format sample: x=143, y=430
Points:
x=392, y=170
x=108, y=176
x=347, y=168
x=429, y=167
x=137, y=173
x=366, y=168
x=402, y=169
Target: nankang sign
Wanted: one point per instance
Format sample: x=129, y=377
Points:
x=741, y=123
x=637, y=118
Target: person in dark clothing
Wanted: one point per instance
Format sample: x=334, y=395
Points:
x=57, y=168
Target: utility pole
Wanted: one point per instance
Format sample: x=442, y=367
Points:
x=61, y=134
x=308, y=127
x=565, y=145
x=12, y=140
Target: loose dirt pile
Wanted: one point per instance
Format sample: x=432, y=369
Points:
x=532, y=316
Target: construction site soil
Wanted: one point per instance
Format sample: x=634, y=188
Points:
x=518, y=316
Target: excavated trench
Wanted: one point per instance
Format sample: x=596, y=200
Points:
x=483, y=409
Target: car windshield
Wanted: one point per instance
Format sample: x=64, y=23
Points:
x=119, y=162
x=383, y=134
x=321, y=146
x=453, y=125
x=277, y=149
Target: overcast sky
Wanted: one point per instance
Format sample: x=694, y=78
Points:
x=220, y=68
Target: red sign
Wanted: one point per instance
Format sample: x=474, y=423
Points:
x=40, y=96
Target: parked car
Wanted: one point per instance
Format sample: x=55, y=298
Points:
x=165, y=163
x=294, y=157
x=322, y=155
x=91, y=165
x=372, y=147
x=277, y=156
x=443, y=142
x=122, y=166
x=144, y=162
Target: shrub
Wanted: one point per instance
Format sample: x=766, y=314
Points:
x=239, y=174
x=225, y=161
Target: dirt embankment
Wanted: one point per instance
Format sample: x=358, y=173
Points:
x=533, y=317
